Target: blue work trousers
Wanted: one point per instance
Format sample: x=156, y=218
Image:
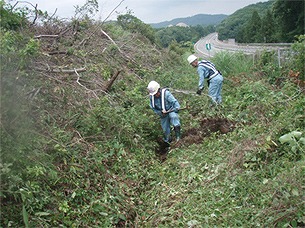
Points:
x=171, y=118
x=215, y=88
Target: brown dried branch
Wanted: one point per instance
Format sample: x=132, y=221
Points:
x=68, y=71
x=95, y=30
x=57, y=52
x=113, y=11
x=126, y=56
x=58, y=70
x=113, y=78
x=45, y=36
x=31, y=94
x=36, y=15
x=53, y=13
x=77, y=81
x=35, y=7
x=111, y=40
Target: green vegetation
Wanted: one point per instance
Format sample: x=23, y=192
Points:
x=11, y=20
x=271, y=21
x=182, y=35
x=265, y=22
x=165, y=37
x=79, y=141
x=135, y=25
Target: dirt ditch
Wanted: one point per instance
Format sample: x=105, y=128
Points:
x=196, y=135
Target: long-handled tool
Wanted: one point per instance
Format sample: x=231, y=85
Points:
x=172, y=110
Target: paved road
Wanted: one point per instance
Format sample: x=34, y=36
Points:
x=231, y=46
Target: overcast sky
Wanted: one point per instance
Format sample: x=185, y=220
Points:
x=148, y=11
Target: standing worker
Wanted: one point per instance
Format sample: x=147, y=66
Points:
x=207, y=69
x=164, y=104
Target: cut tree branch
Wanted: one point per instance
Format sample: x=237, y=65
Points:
x=57, y=52
x=111, y=40
x=95, y=30
x=45, y=36
x=126, y=56
x=77, y=81
x=68, y=71
x=35, y=7
x=113, y=78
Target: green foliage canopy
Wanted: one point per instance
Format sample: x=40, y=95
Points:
x=135, y=25
x=233, y=26
x=9, y=19
x=272, y=21
x=182, y=34
x=290, y=18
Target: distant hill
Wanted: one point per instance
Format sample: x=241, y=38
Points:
x=199, y=19
x=232, y=25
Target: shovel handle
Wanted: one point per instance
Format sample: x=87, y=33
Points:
x=172, y=110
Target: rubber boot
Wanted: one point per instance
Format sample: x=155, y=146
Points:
x=177, y=132
x=167, y=140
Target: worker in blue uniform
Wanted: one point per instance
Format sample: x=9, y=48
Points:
x=164, y=104
x=207, y=70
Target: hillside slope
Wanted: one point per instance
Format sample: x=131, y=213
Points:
x=230, y=27
x=199, y=19
x=80, y=146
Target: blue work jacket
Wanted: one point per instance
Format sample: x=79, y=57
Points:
x=170, y=103
x=206, y=69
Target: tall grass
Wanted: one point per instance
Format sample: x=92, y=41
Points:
x=233, y=63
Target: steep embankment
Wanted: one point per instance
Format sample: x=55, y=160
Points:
x=88, y=156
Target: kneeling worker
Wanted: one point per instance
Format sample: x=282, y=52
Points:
x=164, y=104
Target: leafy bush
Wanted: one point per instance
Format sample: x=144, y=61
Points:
x=296, y=144
x=134, y=25
x=11, y=20
x=299, y=56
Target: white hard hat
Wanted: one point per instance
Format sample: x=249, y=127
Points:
x=153, y=87
x=191, y=58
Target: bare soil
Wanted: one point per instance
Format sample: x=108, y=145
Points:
x=196, y=135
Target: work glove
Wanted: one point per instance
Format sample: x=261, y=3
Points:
x=199, y=91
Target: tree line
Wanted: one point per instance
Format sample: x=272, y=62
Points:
x=271, y=22
x=266, y=22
